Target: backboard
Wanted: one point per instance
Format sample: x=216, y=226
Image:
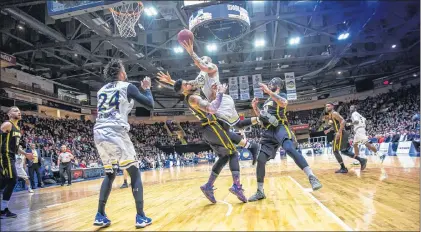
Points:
x=58, y=9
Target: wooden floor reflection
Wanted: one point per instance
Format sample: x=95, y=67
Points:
x=383, y=197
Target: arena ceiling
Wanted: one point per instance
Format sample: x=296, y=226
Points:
x=383, y=40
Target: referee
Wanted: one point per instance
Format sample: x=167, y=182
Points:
x=64, y=164
x=9, y=148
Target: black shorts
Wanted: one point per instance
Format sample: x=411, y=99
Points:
x=235, y=138
x=8, y=168
x=342, y=143
x=218, y=139
x=273, y=138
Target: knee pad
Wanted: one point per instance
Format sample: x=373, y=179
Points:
x=111, y=174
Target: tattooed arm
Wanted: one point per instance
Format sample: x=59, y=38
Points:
x=280, y=99
x=208, y=107
x=203, y=65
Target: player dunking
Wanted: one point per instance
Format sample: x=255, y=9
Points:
x=360, y=136
x=227, y=115
x=115, y=101
x=215, y=136
x=340, y=141
x=9, y=148
x=276, y=134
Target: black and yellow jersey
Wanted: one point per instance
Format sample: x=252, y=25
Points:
x=335, y=123
x=9, y=143
x=203, y=117
x=274, y=109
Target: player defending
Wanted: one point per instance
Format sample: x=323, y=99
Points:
x=340, y=142
x=276, y=134
x=9, y=148
x=215, y=136
x=227, y=115
x=360, y=136
x=115, y=101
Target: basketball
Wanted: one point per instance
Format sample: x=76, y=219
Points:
x=185, y=35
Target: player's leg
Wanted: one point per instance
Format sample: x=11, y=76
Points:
x=10, y=181
x=346, y=149
x=236, y=188
x=22, y=174
x=109, y=151
x=267, y=152
x=285, y=137
x=131, y=165
x=124, y=185
x=337, y=154
x=214, y=136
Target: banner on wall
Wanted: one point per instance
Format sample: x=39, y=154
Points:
x=244, y=88
x=233, y=87
x=405, y=149
x=257, y=92
x=290, y=86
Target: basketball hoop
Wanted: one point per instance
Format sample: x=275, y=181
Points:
x=126, y=16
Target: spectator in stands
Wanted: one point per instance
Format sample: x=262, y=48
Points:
x=35, y=166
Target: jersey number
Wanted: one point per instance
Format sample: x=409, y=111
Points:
x=113, y=102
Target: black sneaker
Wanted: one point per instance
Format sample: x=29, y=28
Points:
x=342, y=170
x=254, y=149
x=363, y=163
x=7, y=214
x=69, y=184
x=124, y=185
x=315, y=183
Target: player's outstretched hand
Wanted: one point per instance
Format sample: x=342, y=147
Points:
x=222, y=88
x=164, y=77
x=264, y=88
x=146, y=83
x=254, y=102
x=188, y=46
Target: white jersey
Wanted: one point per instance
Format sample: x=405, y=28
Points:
x=205, y=82
x=113, y=106
x=356, y=117
x=19, y=161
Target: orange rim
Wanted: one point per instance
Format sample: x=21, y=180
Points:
x=134, y=13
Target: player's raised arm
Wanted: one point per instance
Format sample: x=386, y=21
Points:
x=255, y=107
x=280, y=99
x=205, y=65
x=145, y=98
x=209, y=107
x=166, y=78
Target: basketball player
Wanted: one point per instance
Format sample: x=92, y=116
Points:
x=115, y=101
x=214, y=135
x=227, y=115
x=360, y=136
x=20, y=169
x=9, y=148
x=276, y=134
x=340, y=141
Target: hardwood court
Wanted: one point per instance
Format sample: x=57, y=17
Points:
x=381, y=198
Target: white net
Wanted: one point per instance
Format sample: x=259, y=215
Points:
x=126, y=16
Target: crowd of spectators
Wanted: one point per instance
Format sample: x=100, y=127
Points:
x=192, y=131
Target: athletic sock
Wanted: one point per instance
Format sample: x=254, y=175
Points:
x=342, y=166
x=125, y=181
x=357, y=158
x=260, y=186
x=236, y=178
x=4, y=205
x=212, y=179
x=308, y=172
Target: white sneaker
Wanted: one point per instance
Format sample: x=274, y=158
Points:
x=30, y=190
